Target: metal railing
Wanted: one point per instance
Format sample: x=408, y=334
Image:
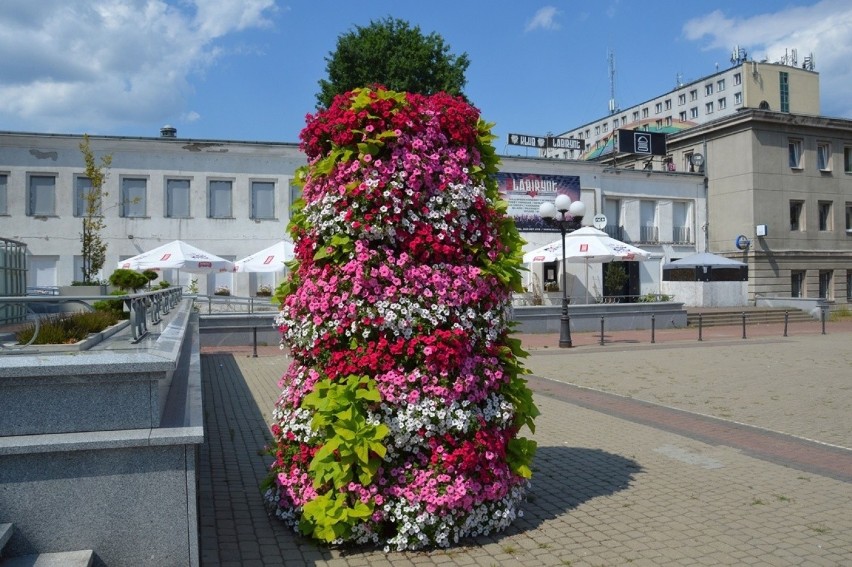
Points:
x=648, y=234
x=144, y=307
x=681, y=235
x=237, y=304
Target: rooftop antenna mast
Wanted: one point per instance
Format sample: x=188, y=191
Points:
x=613, y=107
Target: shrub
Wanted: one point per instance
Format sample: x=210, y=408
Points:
x=113, y=305
x=222, y=290
x=264, y=290
x=128, y=280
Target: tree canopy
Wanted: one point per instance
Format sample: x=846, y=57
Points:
x=393, y=54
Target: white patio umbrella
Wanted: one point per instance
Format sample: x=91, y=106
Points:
x=177, y=255
x=587, y=245
x=270, y=259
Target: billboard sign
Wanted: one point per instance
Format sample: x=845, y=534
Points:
x=641, y=142
x=525, y=140
x=525, y=193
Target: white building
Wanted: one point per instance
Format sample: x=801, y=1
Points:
x=780, y=87
x=229, y=198
x=233, y=198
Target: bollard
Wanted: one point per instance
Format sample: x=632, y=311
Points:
x=602, y=330
x=822, y=317
x=254, y=342
x=652, y=328
x=744, y=325
x=786, y=316
x=699, y=326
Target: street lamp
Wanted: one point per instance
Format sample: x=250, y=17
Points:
x=567, y=216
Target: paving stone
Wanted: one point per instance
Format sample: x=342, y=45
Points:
x=655, y=487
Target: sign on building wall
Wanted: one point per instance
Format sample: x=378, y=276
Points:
x=550, y=142
x=528, y=141
x=641, y=142
x=525, y=192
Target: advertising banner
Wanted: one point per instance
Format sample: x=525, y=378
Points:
x=525, y=192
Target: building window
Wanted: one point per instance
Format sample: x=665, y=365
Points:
x=784, y=85
x=794, y=153
x=693, y=94
x=177, y=198
x=4, y=190
x=825, y=291
x=658, y=108
x=668, y=120
x=847, y=159
x=588, y=133
x=738, y=98
x=219, y=199
x=738, y=78
x=605, y=127
x=42, y=197
x=597, y=130
x=693, y=112
x=683, y=116
x=848, y=217
x=262, y=200
x=797, y=283
x=295, y=195
x=848, y=286
x=708, y=108
x=84, y=199
x=708, y=89
x=134, y=192
x=797, y=208
x=615, y=123
x=720, y=85
x=624, y=119
x=668, y=104
x=648, y=217
x=644, y=113
x=681, y=222
x=824, y=210
x=635, y=115
x=659, y=124
x=824, y=157
x=681, y=99
x=722, y=103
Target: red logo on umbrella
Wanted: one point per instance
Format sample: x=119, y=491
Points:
x=165, y=257
x=584, y=247
x=205, y=264
x=269, y=259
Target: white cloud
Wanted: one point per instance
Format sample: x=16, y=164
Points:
x=544, y=18
x=823, y=29
x=69, y=66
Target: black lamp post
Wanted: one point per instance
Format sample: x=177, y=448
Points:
x=567, y=215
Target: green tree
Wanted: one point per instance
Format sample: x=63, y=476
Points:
x=393, y=54
x=93, y=246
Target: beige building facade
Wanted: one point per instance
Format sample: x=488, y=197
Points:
x=779, y=197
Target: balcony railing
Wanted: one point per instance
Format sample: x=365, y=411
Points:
x=681, y=235
x=614, y=231
x=648, y=234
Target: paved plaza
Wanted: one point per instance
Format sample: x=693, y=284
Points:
x=727, y=451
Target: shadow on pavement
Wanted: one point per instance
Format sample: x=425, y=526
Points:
x=566, y=477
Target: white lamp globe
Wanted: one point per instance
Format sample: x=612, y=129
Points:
x=563, y=202
x=577, y=209
x=547, y=211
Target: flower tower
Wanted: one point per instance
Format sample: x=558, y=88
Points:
x=399, y=417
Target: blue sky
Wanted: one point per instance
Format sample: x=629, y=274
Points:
x=248, y=69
